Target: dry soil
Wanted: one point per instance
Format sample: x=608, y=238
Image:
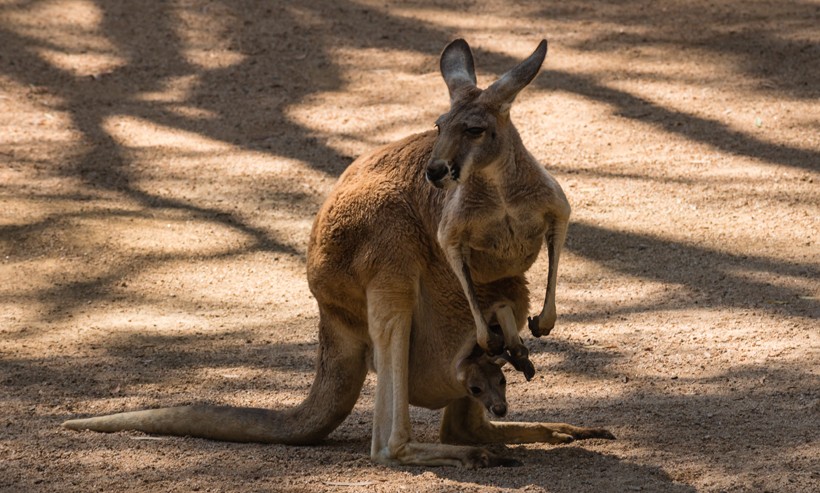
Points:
x=161, y=163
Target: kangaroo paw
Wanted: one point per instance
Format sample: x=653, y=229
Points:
x=532, y=323
x=525, y=366
x=519, y=356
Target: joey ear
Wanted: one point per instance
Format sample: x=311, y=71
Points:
x=503, y=91
x=461, y=371
x=457, y=67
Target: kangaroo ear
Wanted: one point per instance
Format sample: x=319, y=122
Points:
x=503, y=91
x=457, y=67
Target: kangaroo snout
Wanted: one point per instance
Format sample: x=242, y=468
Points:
x=499, y=410
x=437, y=169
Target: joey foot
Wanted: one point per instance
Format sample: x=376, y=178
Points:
x=588, y=433
x=519, y=357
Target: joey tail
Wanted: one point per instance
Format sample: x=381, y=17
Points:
x=340, y=372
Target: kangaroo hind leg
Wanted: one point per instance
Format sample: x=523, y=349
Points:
x=390, y=317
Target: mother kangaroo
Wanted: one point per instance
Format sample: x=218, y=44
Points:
x=420, y=248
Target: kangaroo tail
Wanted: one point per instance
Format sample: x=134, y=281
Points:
x=341, y=368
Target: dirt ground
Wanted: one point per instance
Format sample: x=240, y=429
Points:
x=161, y=163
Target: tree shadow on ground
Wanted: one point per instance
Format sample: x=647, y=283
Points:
x=767, y=407
x=280, y=65
x=280, y=68
x=571, y=467
x=129, y=359
x=752, y=38
x=710, y=276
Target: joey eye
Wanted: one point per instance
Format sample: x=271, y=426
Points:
x=475, y=390
x=475, y=131
x=503, y=381
x=438, y=129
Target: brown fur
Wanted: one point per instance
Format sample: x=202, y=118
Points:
x=413, y=274
x=482, y=378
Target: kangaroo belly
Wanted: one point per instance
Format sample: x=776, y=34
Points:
x=505, y=246
x=502, y=259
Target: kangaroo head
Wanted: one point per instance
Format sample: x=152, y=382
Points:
x=476, y=132
x=481, y=376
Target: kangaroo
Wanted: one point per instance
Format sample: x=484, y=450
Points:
x=417, y=242
x=483, y=380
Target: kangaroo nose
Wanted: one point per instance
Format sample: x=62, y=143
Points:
x=499, y=410
x=436, y=170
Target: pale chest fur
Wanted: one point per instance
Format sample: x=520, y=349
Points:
x=500, y=228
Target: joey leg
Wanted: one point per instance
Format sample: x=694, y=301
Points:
x=519, y=355
x=464, y=422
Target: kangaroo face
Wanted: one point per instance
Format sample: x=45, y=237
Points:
x=484, y=381
x=476, y=131
x=468, y=139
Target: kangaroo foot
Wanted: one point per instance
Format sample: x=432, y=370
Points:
x=588, y=433
x=519, y=357
x=534, y=325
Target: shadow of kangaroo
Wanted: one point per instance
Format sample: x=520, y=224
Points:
x=421, y=246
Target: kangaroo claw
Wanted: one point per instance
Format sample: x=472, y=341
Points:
x=532, y=323
x=524, y=365
x=520, y=359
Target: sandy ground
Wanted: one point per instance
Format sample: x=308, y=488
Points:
x=161, y=163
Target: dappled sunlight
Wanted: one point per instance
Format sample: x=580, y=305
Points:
x=476, y=22
x=37, y=280
x=136, y=132
x=81, y=64
x=35, y=133
x=206, y=32
x=161, y=164
x=210, y=60
x=240, y=280
x=349, y=129
x=166, y=236
x=68, y=35
x=188, y=149
x=800, y=280
x=358, y=117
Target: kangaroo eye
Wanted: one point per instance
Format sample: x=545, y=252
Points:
x=503, y=381
x=475, y=390
x=438, y=129
x=475, y=131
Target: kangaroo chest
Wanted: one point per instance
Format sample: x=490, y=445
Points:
x=505, y=244
x=502, y=233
